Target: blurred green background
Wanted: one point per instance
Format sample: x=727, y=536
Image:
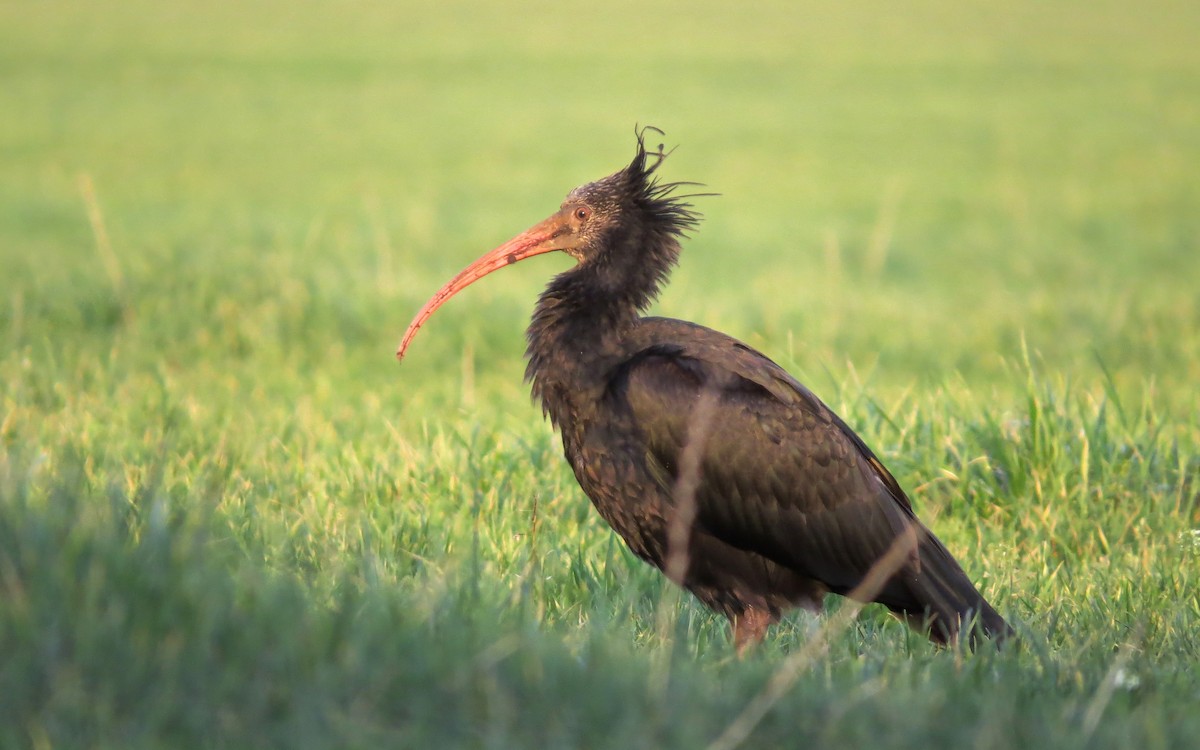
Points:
x=918, y=185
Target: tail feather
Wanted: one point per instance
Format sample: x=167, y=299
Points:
x=939, y=598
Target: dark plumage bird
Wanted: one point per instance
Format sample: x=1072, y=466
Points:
x=712, y=463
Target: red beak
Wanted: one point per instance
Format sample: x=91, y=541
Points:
x=551, y=234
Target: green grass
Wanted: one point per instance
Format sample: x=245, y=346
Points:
x=228, y=518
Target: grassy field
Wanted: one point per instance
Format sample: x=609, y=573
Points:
x=229, y=519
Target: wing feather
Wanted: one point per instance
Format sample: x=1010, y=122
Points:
x=781, y=474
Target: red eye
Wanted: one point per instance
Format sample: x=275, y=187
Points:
x=582, y=213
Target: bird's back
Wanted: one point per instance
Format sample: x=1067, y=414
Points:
x=770, y=474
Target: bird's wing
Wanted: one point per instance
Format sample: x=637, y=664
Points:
x=779, y=473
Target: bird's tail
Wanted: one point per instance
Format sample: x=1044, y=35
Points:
x=937, y=598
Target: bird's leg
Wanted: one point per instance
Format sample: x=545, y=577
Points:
x=749, y=628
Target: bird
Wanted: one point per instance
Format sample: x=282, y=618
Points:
x=707, y=458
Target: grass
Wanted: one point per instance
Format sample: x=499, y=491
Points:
x=227, y=518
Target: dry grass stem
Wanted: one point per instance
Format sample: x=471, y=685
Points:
x=112, y=266
x=679, y=527
x=796, y=664
x=1112, y=680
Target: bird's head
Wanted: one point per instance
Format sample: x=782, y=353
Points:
x=629, y=208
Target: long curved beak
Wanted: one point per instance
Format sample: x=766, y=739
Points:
x=548, y=235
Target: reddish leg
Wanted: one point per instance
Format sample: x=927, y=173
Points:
x=749, y=629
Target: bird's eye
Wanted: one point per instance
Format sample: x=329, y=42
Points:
x=582, y=213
